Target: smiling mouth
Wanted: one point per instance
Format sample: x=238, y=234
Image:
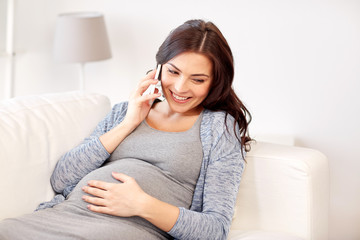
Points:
x=179, y=99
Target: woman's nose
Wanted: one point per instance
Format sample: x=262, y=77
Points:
x=181, y=85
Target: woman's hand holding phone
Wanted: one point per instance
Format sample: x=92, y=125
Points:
x=138, y=108
x=140, y=103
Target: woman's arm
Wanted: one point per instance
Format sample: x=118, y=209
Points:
x=87, y=156
x=109, y=133
x=215, y=194
x=137, y=111
x=220, y=190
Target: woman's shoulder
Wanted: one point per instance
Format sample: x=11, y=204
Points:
x=219, y=120
x=218, y=133
x=217, y=125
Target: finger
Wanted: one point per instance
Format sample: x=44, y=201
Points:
x=99, y=209
x=143, y=85
x=94, y=191
x=94, y=200
x=149, y=97
x=150, y=74
x=99, y=184
x=122, y=177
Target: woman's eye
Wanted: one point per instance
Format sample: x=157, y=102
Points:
x=198, y=80
x=172, y=72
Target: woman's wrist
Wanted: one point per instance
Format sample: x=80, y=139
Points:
x=160, y=214
x=129, y=125
x=115, y=136
x=144, y=204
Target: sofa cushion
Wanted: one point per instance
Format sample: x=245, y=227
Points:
x=34, y=132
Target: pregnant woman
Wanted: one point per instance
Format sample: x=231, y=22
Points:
x=165, y=170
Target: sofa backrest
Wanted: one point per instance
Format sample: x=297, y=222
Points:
x=284, y=189
x=34, y=132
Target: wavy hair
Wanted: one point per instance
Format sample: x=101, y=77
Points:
x=205, y=38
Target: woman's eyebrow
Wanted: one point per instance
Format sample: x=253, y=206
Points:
x=201, y=75
x=174, y=66
x=197, y=74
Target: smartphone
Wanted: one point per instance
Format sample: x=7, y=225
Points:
x=152, y=87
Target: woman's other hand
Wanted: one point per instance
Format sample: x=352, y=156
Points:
x=139, y=104
x=123, y=199
x=127, y=199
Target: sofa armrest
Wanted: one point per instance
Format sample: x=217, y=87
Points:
x=284, y=189
x=34, y=132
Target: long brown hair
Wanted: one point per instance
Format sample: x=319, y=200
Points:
x=205, y=38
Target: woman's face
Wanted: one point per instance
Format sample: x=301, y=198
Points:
x=186, y=81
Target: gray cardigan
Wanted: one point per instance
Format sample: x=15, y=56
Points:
x=215, y=193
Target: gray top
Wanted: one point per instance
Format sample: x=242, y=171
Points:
x=177, y=154
x=166, y=165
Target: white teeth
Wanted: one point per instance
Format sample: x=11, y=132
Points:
x=179, y=98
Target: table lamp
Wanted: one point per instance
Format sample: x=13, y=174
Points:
x=79, y=38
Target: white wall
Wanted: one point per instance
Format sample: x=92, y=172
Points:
x=297, y=69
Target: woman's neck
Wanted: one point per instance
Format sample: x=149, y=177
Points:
x=164, y=109
x=161, y=117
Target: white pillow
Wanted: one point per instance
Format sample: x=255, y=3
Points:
x=34, y=132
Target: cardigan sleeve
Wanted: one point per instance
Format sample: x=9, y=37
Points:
x=87, y=156
x=222, y=179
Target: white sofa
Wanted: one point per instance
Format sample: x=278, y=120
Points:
x=283, y=193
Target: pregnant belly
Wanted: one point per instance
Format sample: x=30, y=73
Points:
x=151, y=179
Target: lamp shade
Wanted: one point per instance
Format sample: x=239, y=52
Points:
x=81, y=37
